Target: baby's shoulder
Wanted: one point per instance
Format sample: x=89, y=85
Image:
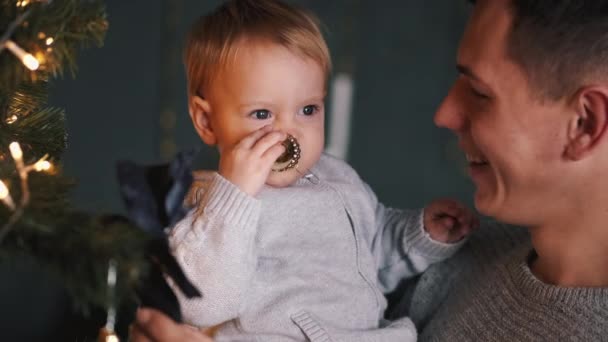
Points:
x=334, y=169
x=200, y=182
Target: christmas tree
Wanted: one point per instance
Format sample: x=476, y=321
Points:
x=39, y=40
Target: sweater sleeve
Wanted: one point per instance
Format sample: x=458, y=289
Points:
x=214, y=244
x=401, y=245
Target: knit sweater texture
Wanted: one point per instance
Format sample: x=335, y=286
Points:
x=308, y=262
x=487, y=292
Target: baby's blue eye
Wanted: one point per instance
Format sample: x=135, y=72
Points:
x=261, y=114
x=309, y=110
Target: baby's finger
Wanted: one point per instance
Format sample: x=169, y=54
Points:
x=447, y=222
x=268, y=141
x=456, y=235
x=250, y=140
x=448, y=210
x=273, y=153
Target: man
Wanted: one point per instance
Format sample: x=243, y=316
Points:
x=530, y=109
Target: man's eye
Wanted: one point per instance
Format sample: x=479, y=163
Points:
x=478, y=94
x=260, y=114
x=310, y=110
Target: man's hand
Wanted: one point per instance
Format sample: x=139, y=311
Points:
x=449, y=221
x=249, y=162
x=154, y=326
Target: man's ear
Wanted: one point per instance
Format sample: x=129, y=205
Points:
x=200, y=110
x=588, y=126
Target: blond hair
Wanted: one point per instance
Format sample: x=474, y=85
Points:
x=214, y=39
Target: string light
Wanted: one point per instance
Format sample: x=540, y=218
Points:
x=5, y=196
x=12, y=119
x=49, y=40
x=16, y=151
x=23, y=3
x=26, y=58
x=107, y=333
x=42, y=165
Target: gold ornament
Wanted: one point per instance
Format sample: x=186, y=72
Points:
x=289, y=159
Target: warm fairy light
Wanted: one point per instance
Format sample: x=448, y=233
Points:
x=16, y=151
x=41, y=57
x=3, y=191
x=42, y=165
x=49, y=40
x=5, y=196
x=12, y=119
x=23, y=3
x=30, y=62
x=27, y=59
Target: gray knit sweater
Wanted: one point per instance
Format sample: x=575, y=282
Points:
x=307, y=262
x=486, y=292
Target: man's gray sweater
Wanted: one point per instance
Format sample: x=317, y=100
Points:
x=308, y=262
x=487, y=292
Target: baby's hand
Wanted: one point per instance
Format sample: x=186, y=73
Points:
x=449, y=221
x=249, y=162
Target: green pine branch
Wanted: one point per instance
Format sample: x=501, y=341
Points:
x=71, y=246
x=71, y=23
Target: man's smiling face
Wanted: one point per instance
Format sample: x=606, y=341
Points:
x=512, y=139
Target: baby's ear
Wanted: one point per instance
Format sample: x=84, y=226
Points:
x=200, y=110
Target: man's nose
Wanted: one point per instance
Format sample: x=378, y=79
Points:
x=450, y=113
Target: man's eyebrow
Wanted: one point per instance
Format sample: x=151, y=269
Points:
x=464, y=70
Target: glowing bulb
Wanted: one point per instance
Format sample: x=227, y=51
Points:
x=42, y=165
x=30, y=62
x=49, y=40
x=4, y=193
x=16, y=151
x=27, y=59
x=12, y=119
x=5, y=196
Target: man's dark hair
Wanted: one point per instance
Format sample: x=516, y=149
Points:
x=559, y=43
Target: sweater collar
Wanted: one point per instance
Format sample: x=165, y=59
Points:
x=534, y=289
